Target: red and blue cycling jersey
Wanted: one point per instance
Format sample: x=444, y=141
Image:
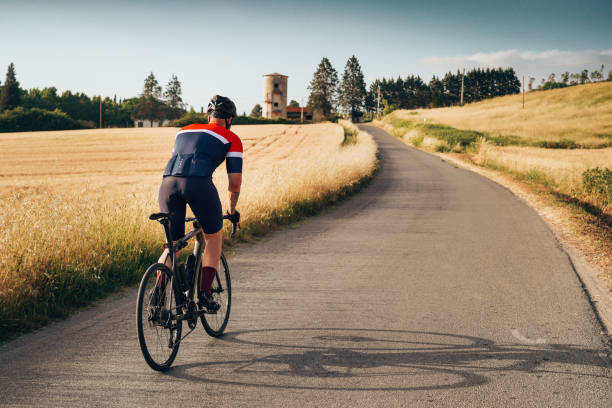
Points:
x=200, y=148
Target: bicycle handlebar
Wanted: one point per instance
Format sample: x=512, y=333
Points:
x=235, y=225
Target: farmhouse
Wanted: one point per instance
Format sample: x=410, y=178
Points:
x=295, y=113
x=146, y=123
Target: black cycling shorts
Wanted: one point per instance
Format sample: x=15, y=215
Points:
x=203, y=199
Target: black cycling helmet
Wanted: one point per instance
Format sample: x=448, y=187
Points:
x=221, y=107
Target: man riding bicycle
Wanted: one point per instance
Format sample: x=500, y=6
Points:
x=198, y=150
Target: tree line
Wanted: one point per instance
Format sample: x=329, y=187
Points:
x=350, y=96
x=22, y=109
x=566, y=79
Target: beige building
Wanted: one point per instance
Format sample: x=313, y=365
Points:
x=148, y=123
x=275, y=96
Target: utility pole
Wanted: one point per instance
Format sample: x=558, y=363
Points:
x=462, y=77
x=100, y=111
x=302, y=107
x=378, y=102
x=523, y=91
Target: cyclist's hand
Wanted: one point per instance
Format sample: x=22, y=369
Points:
x=234, y=218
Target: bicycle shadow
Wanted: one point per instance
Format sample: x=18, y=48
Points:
x=348, y=359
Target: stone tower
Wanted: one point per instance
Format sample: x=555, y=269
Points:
x=275, y=96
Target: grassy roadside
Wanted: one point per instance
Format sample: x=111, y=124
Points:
x=65, y=249
x=580, y=208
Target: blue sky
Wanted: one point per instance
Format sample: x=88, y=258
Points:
x=222, y=47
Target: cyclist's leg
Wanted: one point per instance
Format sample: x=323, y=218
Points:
x=171, y=201
x=210, y=259
x=203, y=199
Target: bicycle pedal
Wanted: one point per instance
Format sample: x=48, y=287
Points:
x=203, y=311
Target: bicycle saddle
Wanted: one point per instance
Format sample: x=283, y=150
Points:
x=157, y=216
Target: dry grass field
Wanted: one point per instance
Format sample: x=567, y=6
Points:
x=582, y=114
x=74, y=204
x=562, y=168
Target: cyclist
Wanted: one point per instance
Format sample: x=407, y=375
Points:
x=198, y=150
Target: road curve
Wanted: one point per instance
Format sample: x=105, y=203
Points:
x=432, y=287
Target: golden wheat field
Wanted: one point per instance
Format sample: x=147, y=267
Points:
x=74, y=204
x=579, y=113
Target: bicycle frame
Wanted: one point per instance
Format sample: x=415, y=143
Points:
x=175, y=246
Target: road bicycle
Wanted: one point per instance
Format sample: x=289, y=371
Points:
x=167, y=297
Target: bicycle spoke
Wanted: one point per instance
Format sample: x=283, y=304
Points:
x=158, y=327
x=215, y=323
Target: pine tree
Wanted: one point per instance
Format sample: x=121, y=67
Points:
x=173, y=93
x=149, y=104
x=437, y=92
x=352, y=89
x=323, y=89
x=512, y=84
x=152, y=87
x=10, y=97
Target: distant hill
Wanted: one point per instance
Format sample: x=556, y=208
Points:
x=577, y=116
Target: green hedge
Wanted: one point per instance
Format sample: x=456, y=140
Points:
x=192, y=117
x=598, y=182
x=25, y=120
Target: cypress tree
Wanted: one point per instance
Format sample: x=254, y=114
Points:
x=9, y=99
x=353, y=88
x=323, y=89
x=437, y=92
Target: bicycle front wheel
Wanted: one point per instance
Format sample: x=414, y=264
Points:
x=159, y=330
x=215, y=323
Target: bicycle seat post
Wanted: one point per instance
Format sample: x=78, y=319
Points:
x=165, y=222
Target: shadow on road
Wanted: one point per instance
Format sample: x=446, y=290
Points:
x=362, y=359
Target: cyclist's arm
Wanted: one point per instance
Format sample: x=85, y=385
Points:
x=235, y=181
x=233, y=163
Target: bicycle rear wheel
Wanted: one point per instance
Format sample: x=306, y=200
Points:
x=159, y=331
x=215, y=323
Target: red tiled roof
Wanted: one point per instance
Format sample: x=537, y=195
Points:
x=297, y=109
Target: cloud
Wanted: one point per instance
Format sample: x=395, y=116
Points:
x=526, y=62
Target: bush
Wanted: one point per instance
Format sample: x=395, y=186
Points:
x=537, y=177
x=417, y=141
x=192, y=117
x=598, y=182
x=443, y=148
x=188, y=119
x=453, y=136
x=33, y=119
x=560, y=144
x=249, y=120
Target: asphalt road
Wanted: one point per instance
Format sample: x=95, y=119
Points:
x=432, y=287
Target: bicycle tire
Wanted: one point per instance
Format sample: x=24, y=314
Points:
x=158, y=333
x=215, y=323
